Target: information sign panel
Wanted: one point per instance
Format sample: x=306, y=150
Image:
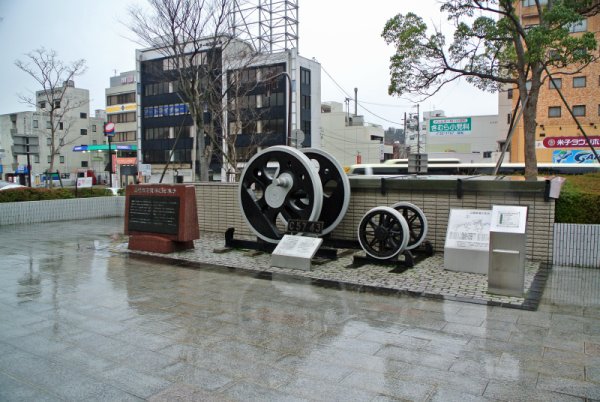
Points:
x=295, y=252
x=467, y=241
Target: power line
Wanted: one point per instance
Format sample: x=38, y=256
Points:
x=359, y=103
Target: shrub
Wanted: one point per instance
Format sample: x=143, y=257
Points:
x=579, y=200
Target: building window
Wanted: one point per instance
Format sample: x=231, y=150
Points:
x=487, y=154
x=598, y=110
x=304, y=76
x=57, y=104
x=123, y=117
x=60, y=125
x=36, y=158
x=48, y=141
x=49, y=159
x=554, y=111
x=62, y=159
x=35, y=124
x=509, y=93
x=555, y=83
x=130, y=97
x=93, y=128
x=84, y=164
x=42, y=105
x=84, y=131
x=305, y=102
x=579, y=26
x=83, y=115
x=62, y=142
x=530, y=3
x=579, y=110
x=48, y=124
x=508, y=118
x=578, y=82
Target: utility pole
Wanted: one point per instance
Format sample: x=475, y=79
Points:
x=418, y=131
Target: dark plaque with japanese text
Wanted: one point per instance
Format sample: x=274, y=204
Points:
x=154, y=214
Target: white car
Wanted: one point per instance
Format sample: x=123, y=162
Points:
x=5, y=185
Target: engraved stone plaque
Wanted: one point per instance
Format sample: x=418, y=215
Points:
x=295, y=252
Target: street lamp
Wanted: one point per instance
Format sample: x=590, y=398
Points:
x=289, y=118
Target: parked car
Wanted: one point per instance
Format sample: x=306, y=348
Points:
x=5, y=185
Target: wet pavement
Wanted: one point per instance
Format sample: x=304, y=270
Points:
x=81, y=321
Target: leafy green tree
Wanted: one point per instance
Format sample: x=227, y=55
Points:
x=492, y=47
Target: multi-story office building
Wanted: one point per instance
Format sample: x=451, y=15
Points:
x=121, y=109
x=30, y=132
x=349, y=139
x=259, y=108
x=558, y=139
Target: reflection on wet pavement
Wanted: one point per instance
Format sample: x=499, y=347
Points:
x=78, y=322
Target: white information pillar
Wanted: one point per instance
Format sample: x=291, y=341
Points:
x=295, y=252
x=467, y=241
x=508, y=247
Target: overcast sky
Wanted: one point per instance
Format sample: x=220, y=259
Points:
x=343, y=35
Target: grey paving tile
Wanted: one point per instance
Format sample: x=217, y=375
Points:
x=420, y=357
x=442, y=394
x=12, y=390
x=234, y=336
x=137, y=383
x=186, y=393
x=311, y=389
x=515, y=392
x=581, y=389
x=243, y=391
x=387, y=385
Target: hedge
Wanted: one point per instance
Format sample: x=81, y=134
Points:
x=579, y=200
x=38, y=194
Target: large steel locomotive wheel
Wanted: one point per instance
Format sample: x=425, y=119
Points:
x=417, y=223
x=336, y=187
x=383, y=233
x=278, y=184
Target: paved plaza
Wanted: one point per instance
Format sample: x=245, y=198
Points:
x=81, y=318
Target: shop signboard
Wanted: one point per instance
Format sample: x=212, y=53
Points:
x=573, y=156
x=448, y=127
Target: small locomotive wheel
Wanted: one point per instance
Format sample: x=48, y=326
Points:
x=278, y=184
x=417, y=223
x=383, y=233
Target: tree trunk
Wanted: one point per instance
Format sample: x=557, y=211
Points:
x=530, y=125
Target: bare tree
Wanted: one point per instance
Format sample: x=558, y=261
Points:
x=53, y=75
x=195, y=38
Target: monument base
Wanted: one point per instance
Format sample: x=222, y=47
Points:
x=158, y=244
x=464, y=260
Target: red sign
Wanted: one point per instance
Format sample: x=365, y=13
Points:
x=570, y=142
x=109, y=128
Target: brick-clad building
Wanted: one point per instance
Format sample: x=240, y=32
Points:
x=558, y=138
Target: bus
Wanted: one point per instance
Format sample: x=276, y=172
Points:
x=474, y=169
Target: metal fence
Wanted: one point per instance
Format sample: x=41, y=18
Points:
x=576, y=245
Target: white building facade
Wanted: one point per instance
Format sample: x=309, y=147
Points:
x=472, y=139
x=349, y=139
x=29, y=132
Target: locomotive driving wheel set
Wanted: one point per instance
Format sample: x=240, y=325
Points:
x=281, y=184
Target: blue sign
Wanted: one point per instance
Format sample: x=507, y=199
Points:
x=573, y=156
